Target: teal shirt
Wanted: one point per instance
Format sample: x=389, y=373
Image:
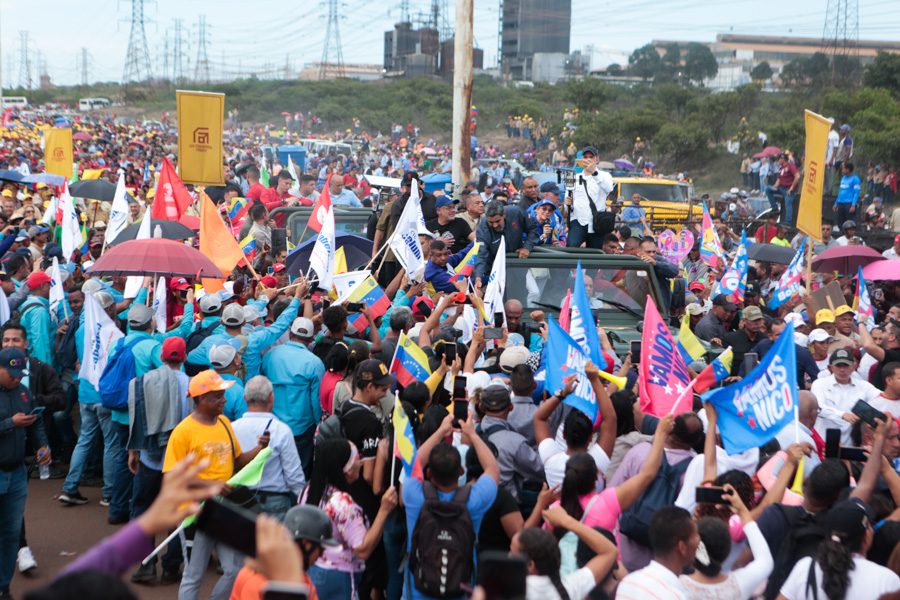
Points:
x=146, y=358
x=41, y=329
x=235, y=406
x=296, y=374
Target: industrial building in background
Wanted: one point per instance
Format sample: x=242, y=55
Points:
x=534, y=41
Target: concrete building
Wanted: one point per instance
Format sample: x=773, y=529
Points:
x=530, y=27
x=362, y=72
x=411, y=52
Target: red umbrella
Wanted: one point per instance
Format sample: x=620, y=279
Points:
x=190, y=222
x=768, y=151
x=155, y=256
x=883, y=270
x=846, y=260
x=82, y=136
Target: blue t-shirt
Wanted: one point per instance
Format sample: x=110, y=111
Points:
x=849, y=191
x=481, y=498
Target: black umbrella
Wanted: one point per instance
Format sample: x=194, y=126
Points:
x=95, y=189
x=242, y=167
x=357, y=251
x=104, y=141
x=170, y=230
x=782, y=255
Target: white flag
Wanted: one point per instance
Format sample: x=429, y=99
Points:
x=68, y=221
x=57, y=295
x=405, y=241
x=322, y=258
x=50, y=211
x=496, y=285
x=100, y=333
x=160, y=296
x=134, y=282
x=118, y=214
x=295, y=187
x=346, y=283
x=4, y=309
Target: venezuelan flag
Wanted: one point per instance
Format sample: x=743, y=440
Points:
x=84, y=235
x=405, y=443
x=467, y=266
x=368, y=292
x=710, y=246
x=236, y=207
x=248, y=245
x=688, y=345
x=714, y=373
x=410, y=363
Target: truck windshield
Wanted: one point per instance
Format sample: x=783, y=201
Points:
x=654, y=191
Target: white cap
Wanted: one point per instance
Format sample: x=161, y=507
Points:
x=250, y=314
x=820, y=335
x=221, y=356
x=801, y=339
x=303, y=327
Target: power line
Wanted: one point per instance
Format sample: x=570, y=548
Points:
x=201, y=70
x=25, y=62
x=840, y=38
x=331, y=50
x=137, y=59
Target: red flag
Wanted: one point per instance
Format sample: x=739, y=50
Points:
x=663, y=375
x=172, y=198
x=7, y=115
x=317, y=218
x=565, y=311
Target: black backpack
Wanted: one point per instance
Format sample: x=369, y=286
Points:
x=802, y=539
x=193, y=342
x=15, y=318
x=662, y=491
x=332, y=428
x=442, y=543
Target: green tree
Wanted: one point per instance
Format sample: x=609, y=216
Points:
x=614, y=69
x=588, y=93
x=671, y=60
x=699, y=63
x=794, y=72
x=818, y=68
x=884, y=72
x=685, y=144
x=673, y=97
x=645, y=62
x=761, y=72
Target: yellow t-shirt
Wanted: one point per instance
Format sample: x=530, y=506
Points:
x=205, y=440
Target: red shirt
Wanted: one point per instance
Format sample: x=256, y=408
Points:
x=255, y=191
x=786, y=175
x=891, y=180
x=764, y=234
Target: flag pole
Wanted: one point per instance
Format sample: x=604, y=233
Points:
x=393, y=459
x=797, y=423
x=165, y=543
x=689, y=388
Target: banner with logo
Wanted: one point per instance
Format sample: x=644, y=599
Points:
x=100, y=333
x=200, y=126
x=58, y=151
x=809, y=215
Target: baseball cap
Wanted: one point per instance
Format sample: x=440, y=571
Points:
x=222, y=355
x=307, y=522
x=269, y=281
x=795, y=318
x=723, y=301
x=23, y=252
x=848, y=224
x=512, y=357
x=233, y=315
x=418, y=305
x=549, y=186
x=897, y=239
x=95, y=242
x=843, y=309
x=694, y=309
x=303, y=327
x=14, y=361
x=752, y=313
x=99, y=225
x=226, y=295
x=139, y=315
x=53, y=250
x=180, y=283
x=752, y=290
x=22, y=236
x=820, y=335
x=210, y=303
x=495, y=397
x=35, y=230
x=848, y=521
x=824, y=316
x=104, y=298
x=545, y=203
x=445, y=201
x=698, y=286
x=408, y=177
x=841, y=356
x=590, y=149
x=845, y=127
x=173, y=349
x=37, y=279
x=373, y=371
x=278, y=267
x=250, y=314
x=207, y=381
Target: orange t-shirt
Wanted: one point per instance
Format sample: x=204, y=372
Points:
x=249, y=585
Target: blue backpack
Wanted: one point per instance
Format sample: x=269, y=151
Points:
x=117, y=373
x=662, y=491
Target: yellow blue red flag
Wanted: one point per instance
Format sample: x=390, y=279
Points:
x=467, y=266
x=689, y=346
x=410, y=362
x=405, y=443
x=248, y=246
x=710, y=245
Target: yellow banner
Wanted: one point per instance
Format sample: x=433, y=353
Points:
x=200, y=126
x=58, y=151
x=809, y=214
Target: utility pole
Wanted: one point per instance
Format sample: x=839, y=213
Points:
x=462, y=94
x=137, y=59
x=25, y=62
x=85, y=60
x=332, y=49
x=201, y=70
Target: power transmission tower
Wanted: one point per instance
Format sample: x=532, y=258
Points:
x=84, y=66
x=440, y=19
x=840, y=38
x=179, y=54
x=137, y=60
x=201, y=70
x=166, y=56
x=24, y=62
x=332, y=49
x=287, y=66
x=404, y=11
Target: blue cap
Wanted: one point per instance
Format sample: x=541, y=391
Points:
x=14, y=361
x=545, y=202
x=590, y=149
x=445, y=201
x=549, y=186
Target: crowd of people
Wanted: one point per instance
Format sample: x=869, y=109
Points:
x=274, y=372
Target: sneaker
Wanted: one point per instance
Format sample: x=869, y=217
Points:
x=26, y=560
x=117, y=520
x=105, y=501
x=72, y=499
x=145, y=574
x=170, y=576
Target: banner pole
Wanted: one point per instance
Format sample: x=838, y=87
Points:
x=797, y=423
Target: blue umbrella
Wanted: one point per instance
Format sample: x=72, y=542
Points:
x=11, y=175
x=48, y=178
x=357, y=250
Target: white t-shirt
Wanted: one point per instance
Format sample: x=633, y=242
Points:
x=653, y=581
x=578, y=585
x=867, y=580
x=598, y=186
x=886, y=405
x=555, y=458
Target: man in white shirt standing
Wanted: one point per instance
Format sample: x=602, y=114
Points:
x=893, y=253
x=833, y=140
x=592, y=186
x=838, y=393
x=889, y=400
x=674, y=538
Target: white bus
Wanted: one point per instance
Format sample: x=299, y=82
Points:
x=92, y=103
x=15, y=102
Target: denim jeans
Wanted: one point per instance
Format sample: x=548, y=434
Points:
x=395, y=548
x=788, y=202
x=334, y=584
x=96, y=421
x=146, y=488
x=120, y=501
x=195, y=570
x=13, y=492
x=578, y=234
x=306, y=444
x=274, y=505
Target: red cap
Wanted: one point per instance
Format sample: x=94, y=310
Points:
x=277, y=267
x=897, y=239
x=180, y=283
x=38, y=279
x=173, y=349
x=417, y=304
x=269, y=281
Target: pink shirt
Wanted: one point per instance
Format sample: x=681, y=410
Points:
x=604, y=512
x=348, y=525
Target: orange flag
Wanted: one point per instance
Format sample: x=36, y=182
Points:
x=216, y=242
x=172, y=198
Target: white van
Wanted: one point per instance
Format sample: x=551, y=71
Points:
x=15, y=102
x=92, y=103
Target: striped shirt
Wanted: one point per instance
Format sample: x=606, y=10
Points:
x=653, y=582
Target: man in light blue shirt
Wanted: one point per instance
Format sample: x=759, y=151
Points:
x=226, y=361
x=341, y=196
x=848, y=194
x=282, y=478
x=633, y=213
x=296, y=374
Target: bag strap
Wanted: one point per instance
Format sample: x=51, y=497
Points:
x=588, y=508
x=811, y=580
x=594, y=210
x=230, y=439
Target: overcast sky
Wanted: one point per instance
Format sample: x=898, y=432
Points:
x=267, y=34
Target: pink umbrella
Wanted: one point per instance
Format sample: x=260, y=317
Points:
x=846, y=260
x=768, y=151
x=882, y=270
x=81, y=136
x=429, y=151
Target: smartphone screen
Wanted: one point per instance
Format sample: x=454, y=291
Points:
x=502, y=577
x=710, y=495
x=751, y=359
x=450, y=353
x=229, y=524
x=498, y=320
x=38, y=410
x=635, y=352
x=460, y=410
x=868, y=413
x=493, y=333
x=271, y=270
x=459, y=388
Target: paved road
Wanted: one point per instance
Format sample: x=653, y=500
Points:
x=58, y=534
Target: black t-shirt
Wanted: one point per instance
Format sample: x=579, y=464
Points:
x=492, y=536
x=455, y=233
x=363, y=428
x=741, y=344
x=890, y=355
x=323, y=346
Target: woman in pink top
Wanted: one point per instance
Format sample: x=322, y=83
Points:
x=336, y=363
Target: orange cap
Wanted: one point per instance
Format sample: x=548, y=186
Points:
x=207, y=381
